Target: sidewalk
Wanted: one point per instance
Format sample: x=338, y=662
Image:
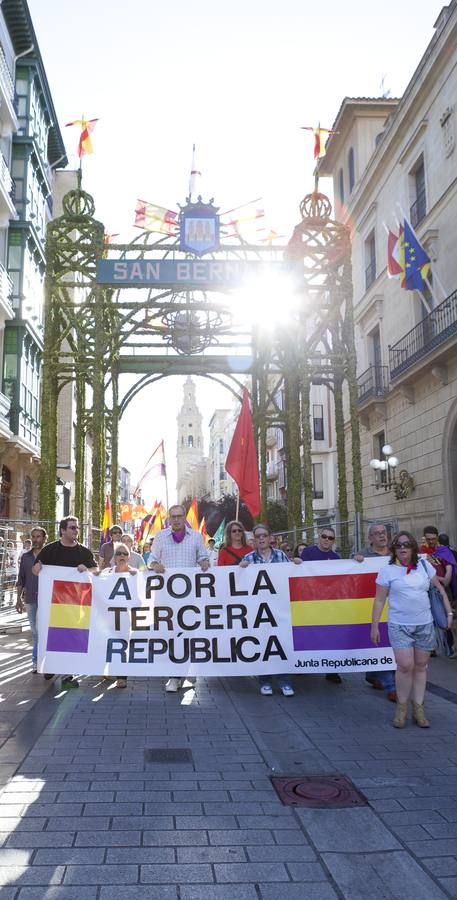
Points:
x=86, y=814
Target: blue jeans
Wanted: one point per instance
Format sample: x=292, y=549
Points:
x=31, y=609
x=283, y=680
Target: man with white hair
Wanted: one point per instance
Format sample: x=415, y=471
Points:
x=378, y=545
x=177, y=547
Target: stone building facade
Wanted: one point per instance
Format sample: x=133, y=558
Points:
x=393, y=158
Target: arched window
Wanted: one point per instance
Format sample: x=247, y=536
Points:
x=190, y=441
x=341, y=185
x=351, y=168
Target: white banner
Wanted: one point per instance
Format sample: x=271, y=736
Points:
x=227, y=621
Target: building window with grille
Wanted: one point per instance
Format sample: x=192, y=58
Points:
x=370, y=260
x=418, y=208
x=318, y=481
x=379, y=441
x=318, y=422
x=27, y=496
x=190, y=441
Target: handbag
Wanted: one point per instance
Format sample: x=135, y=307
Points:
x=439, y=614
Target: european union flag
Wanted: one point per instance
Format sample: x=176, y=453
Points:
x=417, y=263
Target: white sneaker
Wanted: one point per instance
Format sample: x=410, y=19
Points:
x=287, y=690
x=266, y=690
x=173, y=684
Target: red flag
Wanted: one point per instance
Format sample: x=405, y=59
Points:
x=241, y=462
x=87, y=126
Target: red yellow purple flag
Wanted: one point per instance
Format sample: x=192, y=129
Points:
x=192, y=515
x=87, y=126
x=150, y=217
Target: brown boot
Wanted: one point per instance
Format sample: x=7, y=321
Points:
x=400, y=715
x=419, y=715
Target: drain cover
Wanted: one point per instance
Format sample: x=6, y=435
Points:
x=168, y=755
x=317, y=791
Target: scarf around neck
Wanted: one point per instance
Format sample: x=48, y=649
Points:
x=178, y=536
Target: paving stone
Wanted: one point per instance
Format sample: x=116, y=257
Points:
x=220, y=892
x=307, y=891
x=56, y=893
x=433, y=848
x=208, y=822
x=211, y=854
x=412, y=817
x=15, y=857
x=69, y=856
x=284, y=854
x=449, y=885
x=139, y=892
x=177, y=838
x=101, y=875
x=231, y=873
x=187, y=874
x=380, y=875
x=140, y=855
x=443, y=830
x=22, y=875
x=108, y=839
x=347, y=830
x=144, y=822
x=34, y=839
x=277, y=821
x=113, y=809
x=292, y=838
x=227, y=838
x=441, y=865
x=79, y=823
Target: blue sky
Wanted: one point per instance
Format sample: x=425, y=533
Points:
x=237, y=79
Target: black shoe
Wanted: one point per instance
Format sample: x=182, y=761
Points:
x=336, y=679
x=48, y=676
x=69, y=682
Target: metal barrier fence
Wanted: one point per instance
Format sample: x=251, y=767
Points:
x=13, y=537
x=350, y=534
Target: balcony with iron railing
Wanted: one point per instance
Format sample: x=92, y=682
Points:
x=372, y=384
x=437, y=331
x=272, y=470
x=6, y=79
x=418, y=210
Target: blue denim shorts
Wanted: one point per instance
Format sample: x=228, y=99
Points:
x=402, y=637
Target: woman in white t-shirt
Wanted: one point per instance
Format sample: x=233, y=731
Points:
x=406, y=579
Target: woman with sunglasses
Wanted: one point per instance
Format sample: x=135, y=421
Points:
x=121, y=566
x=235, y=546
x=406, y=579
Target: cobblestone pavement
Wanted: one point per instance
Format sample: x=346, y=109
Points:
x=85, y=815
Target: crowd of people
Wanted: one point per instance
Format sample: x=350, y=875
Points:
x=411, y=573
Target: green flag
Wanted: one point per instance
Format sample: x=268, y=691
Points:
x=219, y=536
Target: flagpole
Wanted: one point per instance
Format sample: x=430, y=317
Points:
x=237, y=506
x=166, y=478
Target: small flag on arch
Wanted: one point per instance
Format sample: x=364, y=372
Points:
x=87, y=126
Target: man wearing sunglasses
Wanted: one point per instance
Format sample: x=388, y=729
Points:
x=71, y=554
x=323, y=550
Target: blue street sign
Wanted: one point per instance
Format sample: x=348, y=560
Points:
x=194, y=273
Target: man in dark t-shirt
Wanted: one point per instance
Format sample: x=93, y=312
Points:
x=66, y=552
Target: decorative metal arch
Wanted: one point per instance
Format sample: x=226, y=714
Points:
x=94, y=334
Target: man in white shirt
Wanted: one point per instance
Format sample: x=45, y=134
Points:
x=177, y=547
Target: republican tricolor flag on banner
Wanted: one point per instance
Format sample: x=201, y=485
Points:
x=334, y=612
x=69, y=618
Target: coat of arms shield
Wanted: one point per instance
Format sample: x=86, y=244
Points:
x=199, y=228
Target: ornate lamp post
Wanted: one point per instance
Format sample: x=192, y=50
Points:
x=385, y=474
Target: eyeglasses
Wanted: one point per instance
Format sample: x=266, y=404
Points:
x=116, y=531
x=404, y=544
x=237, y=529
x=327, y=537
x=121, y=553
x=261, y=534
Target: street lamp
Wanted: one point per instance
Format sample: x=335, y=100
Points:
x=403, y=485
